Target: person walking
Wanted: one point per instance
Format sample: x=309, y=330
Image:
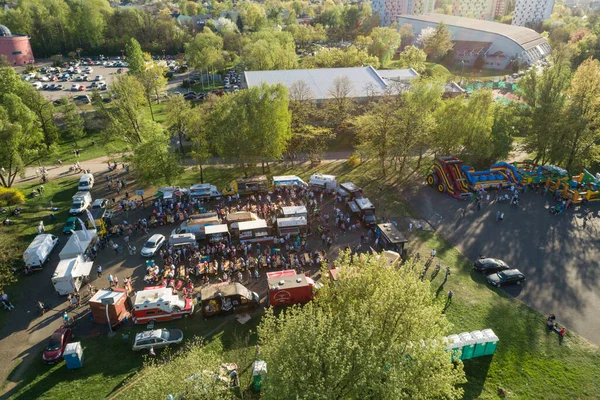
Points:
x=115, y=281
x=433, y=253
x=99, y=270
x=7, y=304
x=110, y=280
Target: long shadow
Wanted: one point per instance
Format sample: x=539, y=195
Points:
x=476, y=370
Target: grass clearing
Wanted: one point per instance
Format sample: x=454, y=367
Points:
x=529, y=363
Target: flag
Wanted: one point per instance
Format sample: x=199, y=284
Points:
x=89, y=215
x=76, y=240
x=84, y=230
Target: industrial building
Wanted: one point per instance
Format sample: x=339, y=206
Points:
x=499, y=44
x=389, y=10
x=15, y=47
x=365, y=81
x=479, y=9
x=532, y=12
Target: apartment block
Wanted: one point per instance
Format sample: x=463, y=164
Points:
x=389, y=10
x=479, y=9
x=532, y=11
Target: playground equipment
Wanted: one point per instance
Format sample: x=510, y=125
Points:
x=448, y=178
x=532, y=173
x=451, y=177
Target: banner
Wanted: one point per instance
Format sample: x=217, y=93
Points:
x=89, y=215
x=84, y=230
x=77, y=241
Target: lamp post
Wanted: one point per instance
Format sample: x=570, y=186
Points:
x=164, y=57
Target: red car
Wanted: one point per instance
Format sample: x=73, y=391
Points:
x=56, y=345
x=81, y=88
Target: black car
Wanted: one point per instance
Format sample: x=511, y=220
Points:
x=506, y=277
x=489, y=265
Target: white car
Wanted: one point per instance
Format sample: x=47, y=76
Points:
x=88, y=70
x=157, y=338
x=152, y=245
x=98, y=78
x=74, y=88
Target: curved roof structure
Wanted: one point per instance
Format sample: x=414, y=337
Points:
x=4, y=31
x=525, y=37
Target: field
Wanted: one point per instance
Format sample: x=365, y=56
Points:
x=530, y=362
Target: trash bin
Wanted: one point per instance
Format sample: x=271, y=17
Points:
x=492, y=341
x=259, y=372
x=455, y=346
x=480, y=343
x=468, y=345
x=73, y=355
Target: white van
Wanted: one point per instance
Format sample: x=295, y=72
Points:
x=81, y=201
x=182, y=239
x=39, y=250
x=323, y=182
x=86, y=182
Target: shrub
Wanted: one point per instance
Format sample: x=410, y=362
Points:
x=354, y=161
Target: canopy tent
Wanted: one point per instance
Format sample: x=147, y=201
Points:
x=78, y=243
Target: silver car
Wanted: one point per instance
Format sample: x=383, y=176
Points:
x=152, y=245
x=157, y=338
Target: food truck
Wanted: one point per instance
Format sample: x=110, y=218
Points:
x=70, y=274
x=240, y=216
x=196, y=224
x=204, y=191
x=354, y=191
x=248, y=186
x=390, y=238
x=160, y=304
x=227, y=297
x=117, y=302
x=292, y=226
x=367, y=212
x=288, y=181
x=288, y=287
x=294, y=211
x=254, y=231
x=323, y=182
x=96, y=220
x=217, y=233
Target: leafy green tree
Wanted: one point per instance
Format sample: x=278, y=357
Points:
x=180, y=118
x=340, y=58
x=125, y=118
x=153, y=161
x=376, y=333
x=253, y=15
x=135, y=57
x=251, y=125
x=44, y=111
x=73, y=123
x=340, y=105
x=10, y=197
x=205, y=51
x=269, y=50
x=413, y=57
x=384, y=42
x=153, y=81
x=436, y=41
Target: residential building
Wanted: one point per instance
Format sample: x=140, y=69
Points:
x=500, y=45
x=389, y=10
x=479, y=9
x=531, y=12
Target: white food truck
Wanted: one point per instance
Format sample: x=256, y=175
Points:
x=70, y=275
x=39, y=250
x=327, y=183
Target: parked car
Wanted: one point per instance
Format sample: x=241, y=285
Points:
x=58, y=87
x=490, y=265
x=100, y=203
x=75, y=88
x=506, y=277
x=71, y=225
x=98, y=78
x=56, y=345
x=84, y=98
x=152, y=245
x=157, y=338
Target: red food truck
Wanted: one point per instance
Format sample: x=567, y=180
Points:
x=288, y=287
x=115, y=300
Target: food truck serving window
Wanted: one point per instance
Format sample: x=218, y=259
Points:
x=245, y=234
x=260, y=233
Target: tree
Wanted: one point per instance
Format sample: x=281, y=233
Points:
x=413, y=57
x=157, y=380
x=479, y=62
x=436, y=41
x=365, y=335
x=351, y=56
x=10, y=197
x=340, y=104
x=153, y=81
x=44, y=111
x=153, y=161
x=269, y=50
x=135, y=57
x=125, y=117
x=384, y=42
x=583, y=113
x=205, y=51
x=307, y=137
x=251, y=125
x=180, y=118
x=73, y=122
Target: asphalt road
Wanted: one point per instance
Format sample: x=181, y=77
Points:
x=558, y=254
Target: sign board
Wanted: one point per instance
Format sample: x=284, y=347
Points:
x=139, y=192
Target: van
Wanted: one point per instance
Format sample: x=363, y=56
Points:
x=182, y=239
x=81, y=201
x=39, y=250
x=86, y=182
x=196, y=224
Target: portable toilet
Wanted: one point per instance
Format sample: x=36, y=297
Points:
x=259, y=372
x=73, y=355
x=480, y=343
x=455, y=346
x=492, y=341
x=468, y=345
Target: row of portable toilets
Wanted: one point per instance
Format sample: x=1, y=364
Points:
x=467, y=345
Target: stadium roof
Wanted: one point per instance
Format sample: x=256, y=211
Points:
x=365, y=80
x=525, y=37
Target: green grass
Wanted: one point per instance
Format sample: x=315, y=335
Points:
x=91, y=146
x=530, y=363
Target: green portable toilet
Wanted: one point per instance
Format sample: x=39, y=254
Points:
x=480, y=343
x=492, y=341
x=259, y=373
x=455, y=346
x=468, y=345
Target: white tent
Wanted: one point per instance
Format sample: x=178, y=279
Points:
x=78, y=243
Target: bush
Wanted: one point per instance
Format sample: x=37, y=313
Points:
x=353, y=161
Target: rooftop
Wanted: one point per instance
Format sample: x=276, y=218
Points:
x=365, y=80
x=225, y=289
x=526, y=37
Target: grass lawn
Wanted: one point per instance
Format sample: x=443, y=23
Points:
x=530, y=362
x=90, y=146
